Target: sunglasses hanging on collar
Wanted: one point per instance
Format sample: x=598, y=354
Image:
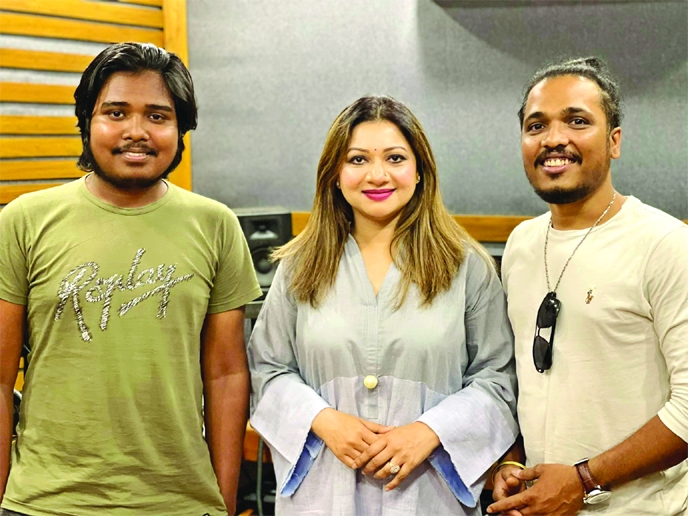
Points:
x=550, y=306
x=546, y=318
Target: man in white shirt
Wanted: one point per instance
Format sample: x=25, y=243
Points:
x=598, y=299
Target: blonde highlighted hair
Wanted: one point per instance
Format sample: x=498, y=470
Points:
x=428, y=245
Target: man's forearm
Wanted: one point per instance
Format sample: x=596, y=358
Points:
x=651, y=449
x=6, y=420
x=226, y=413
x=12, y=318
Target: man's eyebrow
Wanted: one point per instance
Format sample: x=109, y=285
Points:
x=573, y=111
x=535, y=115
x=154, y=107
x=113, y=103
x=160, y=107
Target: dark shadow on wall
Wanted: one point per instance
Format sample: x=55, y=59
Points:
x=643, y=42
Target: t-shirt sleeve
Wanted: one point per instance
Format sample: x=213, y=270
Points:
x=14, y=284
x=667, y=290
x=235, y=282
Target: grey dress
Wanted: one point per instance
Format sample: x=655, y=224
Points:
x=449, y=365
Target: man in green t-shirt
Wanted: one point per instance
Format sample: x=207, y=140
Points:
x=130, y=292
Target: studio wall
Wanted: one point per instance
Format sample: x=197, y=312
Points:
x=271, y=77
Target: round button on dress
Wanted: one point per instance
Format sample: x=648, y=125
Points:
x=370, y=381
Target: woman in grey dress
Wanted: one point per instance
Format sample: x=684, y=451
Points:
x=382, y=361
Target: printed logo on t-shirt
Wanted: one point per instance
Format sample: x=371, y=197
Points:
x=159, y=280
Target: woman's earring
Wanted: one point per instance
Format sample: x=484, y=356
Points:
x=417, y=178
x=338, y=185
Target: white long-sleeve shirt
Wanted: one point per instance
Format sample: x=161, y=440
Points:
x=620, y=350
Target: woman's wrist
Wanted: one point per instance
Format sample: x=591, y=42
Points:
x=506, y=464
x=429, y=437
x=321, y=420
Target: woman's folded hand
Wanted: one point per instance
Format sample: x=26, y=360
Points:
x=405, y=446
x=345, y=435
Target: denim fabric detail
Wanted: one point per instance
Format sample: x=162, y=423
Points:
x=311, y=449
x=441, y=461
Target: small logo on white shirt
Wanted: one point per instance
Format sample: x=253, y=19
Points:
x=590, y=296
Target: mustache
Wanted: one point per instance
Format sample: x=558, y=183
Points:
x=131, y=147
x=557, y=153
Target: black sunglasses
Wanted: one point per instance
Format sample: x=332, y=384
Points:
x=546, y=318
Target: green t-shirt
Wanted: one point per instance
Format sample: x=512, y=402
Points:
x=111, y=419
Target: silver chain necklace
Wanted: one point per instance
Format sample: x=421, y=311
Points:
x=576, y=248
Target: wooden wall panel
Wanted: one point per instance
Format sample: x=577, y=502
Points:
x=10, y=192
x=14, y=124
x=153, y=3
x=484, y=228
x=37, y=60
x=62, y=28
x=36, y=93
x=182, y=174
x=26, y=170
x=490, y=228
x=174, y=12
x=176, y=40
x=40, y=147
x=94, y=11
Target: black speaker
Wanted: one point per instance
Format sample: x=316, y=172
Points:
x=265, y=229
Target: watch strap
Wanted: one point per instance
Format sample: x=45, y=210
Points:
x=586, y=478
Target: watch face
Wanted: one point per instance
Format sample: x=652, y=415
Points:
x=597, y=496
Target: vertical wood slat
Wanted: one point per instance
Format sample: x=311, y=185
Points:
x=175, y=28
x=182, y=174
x=176, y=40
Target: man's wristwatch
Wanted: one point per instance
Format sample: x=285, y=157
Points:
x=593, y=491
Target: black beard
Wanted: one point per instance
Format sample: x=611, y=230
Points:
x=567, y=196
x=130, y=183
x=562, y=196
